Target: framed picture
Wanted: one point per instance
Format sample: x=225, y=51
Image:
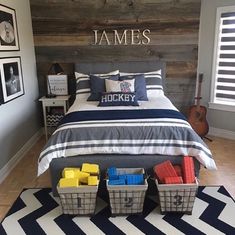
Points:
x=57, y=84
x=11, y=78
x=1, y=94
x=8, y=29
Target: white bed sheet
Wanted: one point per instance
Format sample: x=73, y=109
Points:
x=159, y=102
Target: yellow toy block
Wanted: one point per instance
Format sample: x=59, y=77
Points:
x=70, y=172
x=83, y=177
x=92, y=180
x=90, y=168
x=77, y=173
x=68, y=182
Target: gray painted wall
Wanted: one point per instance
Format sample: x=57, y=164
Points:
x=19, y=118
x=216, y=118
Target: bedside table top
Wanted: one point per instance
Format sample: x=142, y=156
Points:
x=58, y=97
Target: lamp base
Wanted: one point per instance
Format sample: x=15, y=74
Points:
x=50, y=95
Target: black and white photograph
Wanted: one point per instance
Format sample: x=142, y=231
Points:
x=1, y=95
x=8, y=29
x=11, y=78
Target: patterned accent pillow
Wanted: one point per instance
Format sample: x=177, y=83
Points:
x=140, y=86
x=98, y=86
x=120, y=86
x=118, y=99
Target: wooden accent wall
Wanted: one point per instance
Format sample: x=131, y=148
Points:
x=63, y=33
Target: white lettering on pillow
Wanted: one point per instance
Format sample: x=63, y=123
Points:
x=118, y=97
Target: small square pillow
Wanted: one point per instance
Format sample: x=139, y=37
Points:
x=118, y=99
x=120, y=86
x=98, y=86
x=140, y=85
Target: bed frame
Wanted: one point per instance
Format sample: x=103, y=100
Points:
x=117, y=160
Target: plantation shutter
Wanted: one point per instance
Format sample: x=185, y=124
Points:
x=225, y=71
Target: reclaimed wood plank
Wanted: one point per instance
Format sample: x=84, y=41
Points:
x=84, y=40
x=115, y=9
x=119, y=53
x=63, y=27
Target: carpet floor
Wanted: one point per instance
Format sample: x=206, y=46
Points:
x=37, y=212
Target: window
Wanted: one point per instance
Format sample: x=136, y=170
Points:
x=223, y=74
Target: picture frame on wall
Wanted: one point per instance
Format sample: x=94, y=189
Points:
x=1, y=94
x=9, y=40
x=12, y=85
x=57, y=84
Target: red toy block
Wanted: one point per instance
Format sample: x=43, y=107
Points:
x=173, y=180
x=163, y=170
x=178, y=170
x=188, y=170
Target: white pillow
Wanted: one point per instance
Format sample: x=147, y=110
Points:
x=120, y=86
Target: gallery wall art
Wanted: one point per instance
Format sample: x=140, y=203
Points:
x=11, y=78
x=8, y=29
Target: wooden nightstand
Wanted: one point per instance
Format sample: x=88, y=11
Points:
x=53, y=110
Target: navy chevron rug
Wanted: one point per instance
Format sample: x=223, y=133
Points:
x=37, y=212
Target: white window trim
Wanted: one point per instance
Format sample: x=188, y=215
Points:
x=213, y=104
x=223, y=107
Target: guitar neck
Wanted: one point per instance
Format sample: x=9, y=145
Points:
x=199, y=91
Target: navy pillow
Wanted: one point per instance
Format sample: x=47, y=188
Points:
x=98, y=86
x=118, y=99
x=140, y=85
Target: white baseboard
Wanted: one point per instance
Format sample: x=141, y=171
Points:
x=222, y=133
x=5, y=171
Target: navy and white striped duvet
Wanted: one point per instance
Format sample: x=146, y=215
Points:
x=149, y=131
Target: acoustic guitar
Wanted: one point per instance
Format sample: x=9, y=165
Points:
x=197, y=113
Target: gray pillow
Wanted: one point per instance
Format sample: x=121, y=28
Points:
x=97, y=84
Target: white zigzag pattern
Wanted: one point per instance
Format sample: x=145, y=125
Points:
x=199, y=208
x=86, y=224
x=125, y=226
x=47, y=222
x=155, y=218
x=11, y=224
x=229, y=209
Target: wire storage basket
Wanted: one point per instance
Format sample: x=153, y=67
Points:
x=127, y=199
x=177, y=197
x=78, y=200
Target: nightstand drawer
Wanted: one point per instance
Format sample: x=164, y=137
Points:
x=53, y=102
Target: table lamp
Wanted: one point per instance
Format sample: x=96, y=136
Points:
x=55, y=69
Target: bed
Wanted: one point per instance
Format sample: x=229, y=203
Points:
x=122, y=136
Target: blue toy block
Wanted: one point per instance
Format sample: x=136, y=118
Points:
x=113, y=177
x=112, y=171
x=117, y=182
x=122, y=177
x=135, y=179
